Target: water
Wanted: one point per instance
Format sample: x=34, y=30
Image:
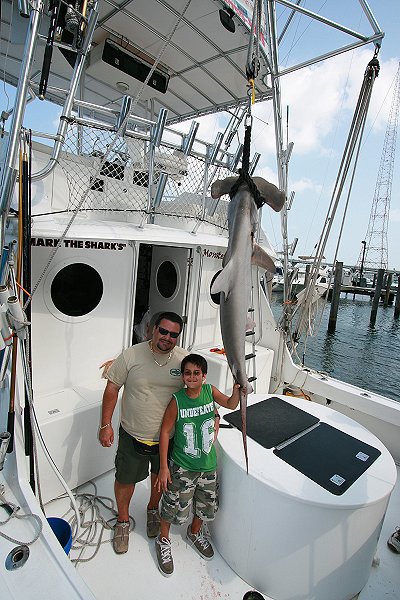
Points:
x=355, y=352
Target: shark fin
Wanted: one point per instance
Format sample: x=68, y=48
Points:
x=223, y=282
x=261, y=259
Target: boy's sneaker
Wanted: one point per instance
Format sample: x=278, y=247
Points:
x=121, y=537
x=394, y=541
x=200, y=543
x=164, y=556
x=153, y=522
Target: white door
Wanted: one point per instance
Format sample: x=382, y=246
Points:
x=169, y=280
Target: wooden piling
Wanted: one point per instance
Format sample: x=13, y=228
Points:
x=387, y=291
x=337, y=284
x=377, y=296
x=307, y=275
x=397, y=304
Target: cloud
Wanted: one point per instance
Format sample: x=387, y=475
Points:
x=394, y=215
x=304, y=184
x=209, y=125
x=56, y=121
x=321, y=98
x=267, y=173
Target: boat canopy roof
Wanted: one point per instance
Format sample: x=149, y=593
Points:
x=205, y=63
x=202, y=66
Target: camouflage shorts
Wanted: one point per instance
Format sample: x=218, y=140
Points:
x=188, y=487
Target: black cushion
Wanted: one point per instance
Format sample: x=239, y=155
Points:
x=272, y=421
x=331, y=458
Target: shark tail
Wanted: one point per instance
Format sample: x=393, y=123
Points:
x=243, y=410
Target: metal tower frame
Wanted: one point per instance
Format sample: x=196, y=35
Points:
x=376, y=252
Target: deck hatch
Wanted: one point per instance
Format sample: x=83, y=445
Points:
x=273, y=421
x=332, y=459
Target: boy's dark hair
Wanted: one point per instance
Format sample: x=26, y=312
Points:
x=169, y=316
x=197, y=360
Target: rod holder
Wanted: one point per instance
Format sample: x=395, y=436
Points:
x=23, y=7
x=254, y=163
x=4, y=294
x=4, y=328
x=291, y=198
x=293, y=246
x=162, y=182
x=159, y=127
x=189, y=138
x=214, y=149
x=17, y=316
x=234, y=161
x=212, y=205
x=122, y=119
x=5, y=438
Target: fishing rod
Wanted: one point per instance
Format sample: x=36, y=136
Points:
x=48, y=52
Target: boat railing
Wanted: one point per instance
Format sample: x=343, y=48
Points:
x=135, y=177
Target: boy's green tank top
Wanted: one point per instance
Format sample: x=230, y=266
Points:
x=194, y=431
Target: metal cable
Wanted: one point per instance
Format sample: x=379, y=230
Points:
x=356, y=130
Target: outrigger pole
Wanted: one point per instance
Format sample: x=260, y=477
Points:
x=9, y=174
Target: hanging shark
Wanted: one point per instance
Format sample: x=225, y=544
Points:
x=234, y=281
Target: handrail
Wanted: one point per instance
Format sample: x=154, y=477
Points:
x=198, y=250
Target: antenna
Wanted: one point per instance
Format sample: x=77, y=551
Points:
x=376, y=252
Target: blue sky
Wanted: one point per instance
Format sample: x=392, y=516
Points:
x=321, y=102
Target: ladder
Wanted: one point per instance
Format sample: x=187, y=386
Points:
x=251, y=357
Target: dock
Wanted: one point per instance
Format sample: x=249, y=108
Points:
x=364, y=291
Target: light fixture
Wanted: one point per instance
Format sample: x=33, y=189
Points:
x=122, y=86
x=225, y=16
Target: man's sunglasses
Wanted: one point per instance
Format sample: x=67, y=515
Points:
x=163, y=331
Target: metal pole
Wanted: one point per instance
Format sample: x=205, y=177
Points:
x=397, y=304
x=10, y=172
x=335, y=297
x=387, y=291
x=364, y=243
x=377, y=295
x=276, y=98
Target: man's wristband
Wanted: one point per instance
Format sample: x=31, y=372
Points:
x=104, y=426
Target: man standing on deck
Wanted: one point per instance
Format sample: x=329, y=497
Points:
x=150, y=374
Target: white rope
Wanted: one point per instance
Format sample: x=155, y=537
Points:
x=92, y=527
x=14, y=514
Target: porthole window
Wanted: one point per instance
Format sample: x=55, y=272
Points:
x=76, y=290
x=215, y=297
x=167, y=279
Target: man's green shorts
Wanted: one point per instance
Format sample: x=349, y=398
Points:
x=130, y=465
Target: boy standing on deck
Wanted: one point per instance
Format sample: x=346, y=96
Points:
x=193, y=476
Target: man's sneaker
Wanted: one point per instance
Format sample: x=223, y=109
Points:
x=201, y=543
x=121, y=537
x=164, y=556
x=394, y=540
x=153, y=523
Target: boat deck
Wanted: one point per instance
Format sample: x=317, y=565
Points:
x=135, y=574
